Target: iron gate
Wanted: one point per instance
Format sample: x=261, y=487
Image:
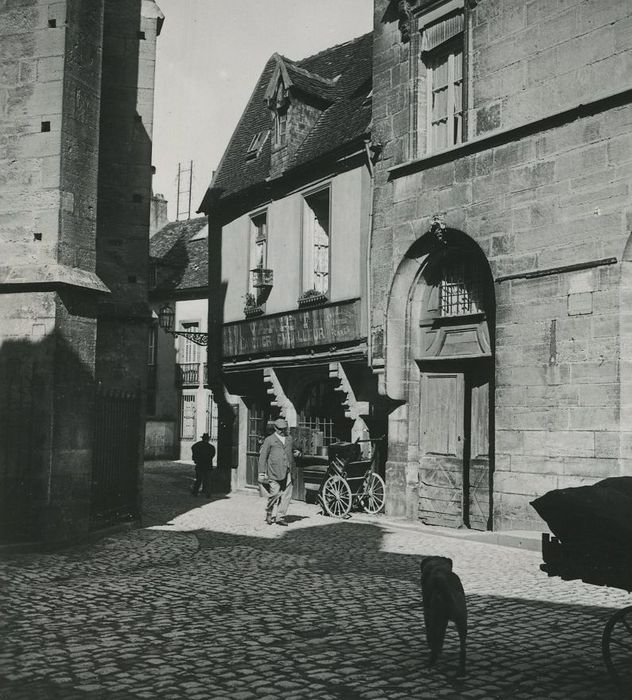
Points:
x=114, y=496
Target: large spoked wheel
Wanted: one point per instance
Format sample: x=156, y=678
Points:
x=616, y=646
x=336, y=497
x=372, y=496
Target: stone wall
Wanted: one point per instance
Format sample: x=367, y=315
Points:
x=50, y=86
x=301, y=117
x=52, y=144
x=555, y=193
x=160, y=437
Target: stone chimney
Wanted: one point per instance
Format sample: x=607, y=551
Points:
x=158, y=214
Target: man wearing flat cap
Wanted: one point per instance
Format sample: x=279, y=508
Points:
x=276, y=464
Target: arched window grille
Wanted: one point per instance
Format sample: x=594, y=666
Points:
x=460, y=289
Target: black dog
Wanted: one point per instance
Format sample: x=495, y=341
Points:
x=443, y=600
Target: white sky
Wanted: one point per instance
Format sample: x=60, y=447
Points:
x=210, y=55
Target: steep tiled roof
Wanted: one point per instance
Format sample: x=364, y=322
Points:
x=340, y=75
x=180, y=250
x=311, y=83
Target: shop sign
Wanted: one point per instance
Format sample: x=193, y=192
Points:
x=326, y=325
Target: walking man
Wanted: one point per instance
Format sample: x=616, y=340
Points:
x=203, y=453
x=276, y=464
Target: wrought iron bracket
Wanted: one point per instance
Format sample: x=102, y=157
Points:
x=194, y=337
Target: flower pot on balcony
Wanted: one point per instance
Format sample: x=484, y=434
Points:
x=252, y=311
x=311, y=298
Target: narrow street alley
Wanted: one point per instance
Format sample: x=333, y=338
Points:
x=207, y=601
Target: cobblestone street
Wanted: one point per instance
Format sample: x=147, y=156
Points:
x=207, y=601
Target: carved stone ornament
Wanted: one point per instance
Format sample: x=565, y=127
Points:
x=437, y=228
x=406, y=16
x=408, y=10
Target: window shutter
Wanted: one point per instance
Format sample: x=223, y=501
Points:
x=434, y=35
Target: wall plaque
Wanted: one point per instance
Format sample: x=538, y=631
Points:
x=325, y=325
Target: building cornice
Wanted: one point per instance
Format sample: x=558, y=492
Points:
x=49, y=277
x=409, y=10
x=317, y=356
x=512, y=134
x=218, y=205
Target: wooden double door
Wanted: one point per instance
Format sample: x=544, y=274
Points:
x=456, y=455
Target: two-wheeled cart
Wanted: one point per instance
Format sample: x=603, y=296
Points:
x=600, y=566
x=351, y=482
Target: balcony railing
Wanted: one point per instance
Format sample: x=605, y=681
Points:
x=188, y=374
x=262, y=277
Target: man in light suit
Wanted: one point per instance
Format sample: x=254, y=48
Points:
x=276, y=464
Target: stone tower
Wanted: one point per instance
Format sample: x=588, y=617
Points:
x=76, y=108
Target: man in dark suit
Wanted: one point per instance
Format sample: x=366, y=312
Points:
x=203, y=453
x=276, y=464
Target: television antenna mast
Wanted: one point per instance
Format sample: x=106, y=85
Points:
x=183, y=201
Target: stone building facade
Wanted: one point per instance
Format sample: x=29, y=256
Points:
x=501, y=259
x=180, y=405
x=289, y=220
x=76, y=109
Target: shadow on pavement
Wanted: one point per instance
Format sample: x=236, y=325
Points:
x=167, y=492
x=295, y=518
x=322, y=611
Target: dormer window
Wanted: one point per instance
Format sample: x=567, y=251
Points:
x=296, y=98
x=258, y=140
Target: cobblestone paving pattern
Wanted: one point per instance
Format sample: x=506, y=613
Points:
x=207, y=601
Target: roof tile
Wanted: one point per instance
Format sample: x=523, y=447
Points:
x=181, y=254
x=346, y=70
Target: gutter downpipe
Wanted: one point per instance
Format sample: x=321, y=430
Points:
x=368, y=257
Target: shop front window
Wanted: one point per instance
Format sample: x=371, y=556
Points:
x=321, y=417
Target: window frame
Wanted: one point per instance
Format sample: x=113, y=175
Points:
x=211, y=422
x=281, y=118
x=152, y=345
x=186, y=346
x=308, y=271
x=253, y=240
x=152, y=368
x=420, y=141
x=449, y=50
x=256, y=144
x=188, y=398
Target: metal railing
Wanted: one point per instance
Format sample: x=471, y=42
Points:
x=188, y=374
x=114, y=491
x=262, y=277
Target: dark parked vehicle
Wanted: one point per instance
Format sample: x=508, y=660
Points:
x=351, y=482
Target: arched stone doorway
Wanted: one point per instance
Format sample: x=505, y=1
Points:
x=440, y=362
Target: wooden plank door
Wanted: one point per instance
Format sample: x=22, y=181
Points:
x=477, y=463
x=441, y=448
x=227, y=445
